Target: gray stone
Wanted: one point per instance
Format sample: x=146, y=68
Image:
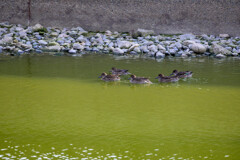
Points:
x=117, y=51
x=160, y=55
x=144, y=32
x=72, y=51
x=78, y=46
x=153, y=48
x=198, y=48
x=224, y=35
x=56, y=48
x=6, y=40
x=137, y=49
x=217, y=49
x=37, y=27
x=42, y=42
x=22, y=33
x=1, y=49
x=54, y=34
x=124, y=44
x=220, y=56
x=187, y=36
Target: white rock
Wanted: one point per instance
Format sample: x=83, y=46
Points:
x=124, y=44
x=22, y=33
x=42, y=42
x=220, y=56
x=137, y=49
x=145, y=32
x=160, y=55
x=188, y=42
x=224, y=35
x=37, y=27
x=217, y=49
x=108, y=33
x=161, y=48
x=198, y=48
x=78, y=46
x=72, y=51
x=56, y=48
x=27, y=46
x=187, y=36
x=54, y=34
x=6, y=40
x=153, y=48
x=117, y=51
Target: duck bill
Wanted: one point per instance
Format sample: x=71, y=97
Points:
x=156, y=77
x=171, y=74
x=100, y=77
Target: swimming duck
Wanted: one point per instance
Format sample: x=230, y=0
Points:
x=162, y=78
x=109, y=78
x=182, y=74
x=139, y=80
x=119, y=71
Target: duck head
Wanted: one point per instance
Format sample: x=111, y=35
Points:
x=103, y=75
x=159, y=76
x=174, y=72
x=132, y=76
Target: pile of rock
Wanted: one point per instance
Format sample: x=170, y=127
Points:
x=16, y=39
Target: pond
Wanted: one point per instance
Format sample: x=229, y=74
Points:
x=55, y=107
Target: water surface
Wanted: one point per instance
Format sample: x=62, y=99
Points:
x=55, y=107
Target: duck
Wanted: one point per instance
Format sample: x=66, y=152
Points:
x=139, y=80
x=162, y=78
x=119, y=71
x=109, y=78
x=182, y=74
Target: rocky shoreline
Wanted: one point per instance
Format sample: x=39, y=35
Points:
x=19, y=40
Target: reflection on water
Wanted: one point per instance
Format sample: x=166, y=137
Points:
x=57, y=108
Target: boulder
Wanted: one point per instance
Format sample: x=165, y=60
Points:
x=198, y=48
x=217, y=49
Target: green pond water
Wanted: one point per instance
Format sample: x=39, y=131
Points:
x=56, y=108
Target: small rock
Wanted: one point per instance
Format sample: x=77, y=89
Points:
x=72, y=51
x=137, y=49
x=187, y=36
x=54, y=34
x=78, y=46
x=117, y=51
x=37, y=27
x=56, y=48
x=108, y=33
x=160, y=55
x=144, y=32
x=6, y=40
x=1, y=49
x=153, y=48
x=220, y=56
x=124, y=44
x=224, y=35
x=42, y=42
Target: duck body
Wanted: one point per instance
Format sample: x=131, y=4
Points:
x=109, y=78
x=182, y=74
x=116, y=71
x=162, y=78
x=139, y=80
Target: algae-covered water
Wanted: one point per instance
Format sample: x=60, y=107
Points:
x=57, y=108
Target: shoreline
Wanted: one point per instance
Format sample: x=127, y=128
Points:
x=20, y=40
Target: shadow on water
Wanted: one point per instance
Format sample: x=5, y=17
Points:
x=207, y=71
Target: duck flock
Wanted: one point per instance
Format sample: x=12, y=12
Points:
x=117, y=73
